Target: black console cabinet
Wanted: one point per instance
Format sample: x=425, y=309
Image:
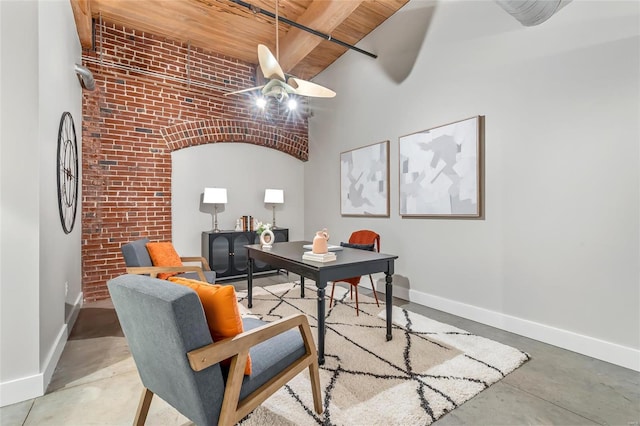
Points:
x=227, y=255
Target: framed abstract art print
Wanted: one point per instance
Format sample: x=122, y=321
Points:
x=364, y=181
x=440, y=170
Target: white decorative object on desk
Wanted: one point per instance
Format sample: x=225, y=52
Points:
x=315, y=257
x=330, y=247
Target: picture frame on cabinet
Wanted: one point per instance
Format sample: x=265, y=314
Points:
x=267, y=238
x=364, y=181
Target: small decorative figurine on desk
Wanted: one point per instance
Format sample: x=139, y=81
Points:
x=320, y=242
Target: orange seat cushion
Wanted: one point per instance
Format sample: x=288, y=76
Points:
x=220, y=306
x=164, y=254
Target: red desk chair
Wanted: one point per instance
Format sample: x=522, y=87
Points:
x=367, y=237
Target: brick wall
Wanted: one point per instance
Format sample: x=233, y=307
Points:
x=154, y=96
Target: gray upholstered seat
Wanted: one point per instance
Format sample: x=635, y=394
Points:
x=168, y=336
x=136, y=258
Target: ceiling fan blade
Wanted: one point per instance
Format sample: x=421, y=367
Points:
x=269, y=64
x=307, y=88
x=244, y=90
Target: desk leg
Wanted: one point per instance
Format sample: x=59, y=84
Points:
x=302, y=287
x=321, y=325
x=250, y=282
x=389, y=302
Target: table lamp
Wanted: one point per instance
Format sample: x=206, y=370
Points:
x=273, y=197
x=215, y=196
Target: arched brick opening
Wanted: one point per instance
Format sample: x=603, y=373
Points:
x=193, y=133
x=129, y=197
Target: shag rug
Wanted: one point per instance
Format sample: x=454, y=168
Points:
x=425, y=371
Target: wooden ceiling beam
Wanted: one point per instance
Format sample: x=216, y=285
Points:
x=82, y=16
x=321, y=15
x=230, y=29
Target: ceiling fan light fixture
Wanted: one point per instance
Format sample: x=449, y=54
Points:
x=261, y=102
x=292, y=104
x=278, y=86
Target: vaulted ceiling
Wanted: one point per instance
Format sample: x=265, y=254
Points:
x=234, y=28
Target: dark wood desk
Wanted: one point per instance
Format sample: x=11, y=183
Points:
x=350, y=263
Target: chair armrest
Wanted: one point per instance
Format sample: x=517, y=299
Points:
x=206, y=356
x=233, y=410
x=202, y=260
x=153, y=271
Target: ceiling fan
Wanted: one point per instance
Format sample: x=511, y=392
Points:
x=278, y=85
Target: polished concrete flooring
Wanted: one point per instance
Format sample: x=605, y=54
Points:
x=96, y=383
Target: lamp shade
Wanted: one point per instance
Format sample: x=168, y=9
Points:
x=215, y=196
x=274, y=196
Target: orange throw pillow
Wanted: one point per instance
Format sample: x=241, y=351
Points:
x=220, y=306
x=164, y=254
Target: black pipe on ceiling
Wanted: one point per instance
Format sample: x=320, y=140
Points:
x=256, y=9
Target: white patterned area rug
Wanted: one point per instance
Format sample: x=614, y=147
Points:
x=425, y=371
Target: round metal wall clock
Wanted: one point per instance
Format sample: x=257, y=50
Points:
x=67, y=172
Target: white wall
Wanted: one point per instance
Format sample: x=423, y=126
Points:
x=246, y=171
x=60, y=254
x=557, y=255
x=19, y=293
x=38, y=48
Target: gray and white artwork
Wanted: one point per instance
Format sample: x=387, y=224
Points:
x=364, y=181
x=439, y=171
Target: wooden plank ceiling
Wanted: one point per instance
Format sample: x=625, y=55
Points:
x=234, y=30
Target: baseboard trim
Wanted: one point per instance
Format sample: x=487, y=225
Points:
x=600, y=349
x=53, y=357
x=21, y=389
x=29, y=387
x=73, y=315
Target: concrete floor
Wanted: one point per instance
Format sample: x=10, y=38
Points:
x=96, y=382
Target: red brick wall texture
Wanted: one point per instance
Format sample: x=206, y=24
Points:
x=154, y=96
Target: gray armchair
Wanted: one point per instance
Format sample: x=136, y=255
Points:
x=138, y=261
x=178, y=361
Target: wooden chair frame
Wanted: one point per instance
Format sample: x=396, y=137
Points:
x=237, y=348
x=153, y=271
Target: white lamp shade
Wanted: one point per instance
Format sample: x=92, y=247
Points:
x=215, y=196
x=274, y=196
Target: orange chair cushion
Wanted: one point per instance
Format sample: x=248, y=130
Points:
x=220, y=306
x=164, y=254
